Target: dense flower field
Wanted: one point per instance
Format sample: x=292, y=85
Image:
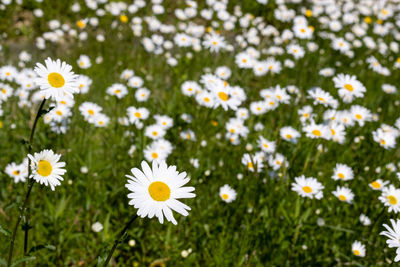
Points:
x=199, y=133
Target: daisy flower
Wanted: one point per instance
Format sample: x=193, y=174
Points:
x=154, y=191
x=378, y=184
x=349, y=87
x=358, y=249
x=394, y=236
x=288, y=133
x=47, y=168
x=84, y=62
x=117, y=89
x=342, y=172
x=308, y=187
x=391, y=198
x=17, y=172
x=265, y=145
x=227, y=193
x=56, y=79
x=343, y=194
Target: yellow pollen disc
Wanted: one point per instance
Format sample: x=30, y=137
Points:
x=56, y=80
x=316, y=132
x=16, y=172
x=250, y=165
x=307, y=189
x=398, y=60
x=214, y=123
x=367, y=20
x=308, y=13
x=117, y=91
x=356, y=252
x=340, y=175
x=159, y=191
x=232, y=130
x=44, y=168
x=58, y=112
x=392, y=200
x=303, y=30
x=342, y=198
x=123, y=18
x=244, y=60
x=258, y=108
x=214, y=43
x=3, y=91
x=271, y=103
x=81, y=63
x=305, y=115
x=379, y=21
x=294, y=50
x=91, y=112
x=154, y=133
x=80, y=24
x=266, y=145
x=278, y=162
x=190, y=89
x=188, y=136
x=164, y=123
x=358, y=117
x=1, y=124
x=137, y=115
x=81, y=85
x=383, y=142
x=154, y=155
x=289, y=136
x=225, y=196
x=321, y=99
x=341, y=44
x=376, y=185
x=333, y=132
x=63, y=102
x=270, y=67
x=206, y=99
x=223, y=96
x=349, y=87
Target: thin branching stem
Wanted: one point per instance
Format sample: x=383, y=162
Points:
x=26, y=201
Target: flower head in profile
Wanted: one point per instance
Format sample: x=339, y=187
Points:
x=47, y=168
x=155, y=191
x=56, y=79
x=394, y=236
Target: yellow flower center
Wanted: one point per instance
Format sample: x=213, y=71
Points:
x=56, y=80
x=358, y=117
x=154, y=133
x=307, y=189
x=123, y=18
x=63, y=102
x=376, y=185
x=206, y=99
x=341, y=175
x=59, y=113
x=289, y=136
x=225, y=196
x=321, y=99
x=342, y=197
x=16, y=172
x=316, y=132
x=44, y=168
x=91, y=112
x=349, y=87
x=4, y=91
x=137, y=115
x=392, y=200
x=159, y=191
x=266, y=145
x=154, y=155
x=117, y=91
x=308, y=13
x=383, y=142
x=223, y=96
x=356, y=252
x=250, y=165
x=333, y=132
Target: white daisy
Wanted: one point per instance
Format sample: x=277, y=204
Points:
x=155, y=191
x=227, y=193
x=56, y=79
x=46, y=168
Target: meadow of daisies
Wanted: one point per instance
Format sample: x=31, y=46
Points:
x=199, y=133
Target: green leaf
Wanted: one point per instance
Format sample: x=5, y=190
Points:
x=42, y=246
x=23, y=259
x=5, y=231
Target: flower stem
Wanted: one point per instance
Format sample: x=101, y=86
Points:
x=26, y=201
x=118, y=240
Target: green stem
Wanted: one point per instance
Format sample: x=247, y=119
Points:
x=26, y=201
x=118, y=240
